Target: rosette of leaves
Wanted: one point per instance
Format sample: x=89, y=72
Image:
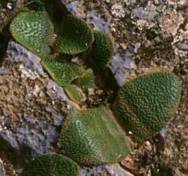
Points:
x=101, y=52
x=75, y=36
x=62, y=73
x=92, y=137
x=146, y=104
x=34, y=30
x=48, y=165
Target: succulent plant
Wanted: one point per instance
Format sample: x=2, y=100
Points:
x=92, y=136
x=87, y=80
x=33, y=30
x=101, y=52
x=75, y=93
x=36, y=4
x=48, y=165
x=75, y=36
x=62, y=73
x=146, y=104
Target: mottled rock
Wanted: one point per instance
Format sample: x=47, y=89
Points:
x=2, y=169
x=112, y=170
x=29, y=86
x=171, y=22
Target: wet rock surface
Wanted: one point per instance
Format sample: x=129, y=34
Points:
x=148, y=35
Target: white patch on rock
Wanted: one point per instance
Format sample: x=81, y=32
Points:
x=145, y=13
x=75, y=7
x=120, y=67
x=118, y=10
x=98, y=22
x=116, y=170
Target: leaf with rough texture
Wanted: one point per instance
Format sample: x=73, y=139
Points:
x=93, y=136
x=101, y=52
x=87, y=80
x=34, y=31
x=75, y=36
x=146, y=104
x=62, y=73
x=75, y=93
x=48, y=165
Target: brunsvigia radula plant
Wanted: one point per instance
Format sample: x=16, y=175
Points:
x=91, y=135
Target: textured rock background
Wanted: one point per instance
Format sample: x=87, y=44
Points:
x=148, y=34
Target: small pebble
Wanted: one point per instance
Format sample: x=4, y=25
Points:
x=9, y=6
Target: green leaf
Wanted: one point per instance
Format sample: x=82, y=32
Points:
x=87, y=80
x=92, y=137
x=62, y=73
x=75, y=93
x=34, y=31
x=48, y=165
x=75, y=36
x=146, y=104
x=101, y=52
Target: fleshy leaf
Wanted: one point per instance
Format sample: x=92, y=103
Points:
x=34, y=31
x=75, y=93
x=92, y=137
x=75, y=36
x=101, y=52
x=87, y=80
x=48, y=165
x=146, y=104
x=62, y=73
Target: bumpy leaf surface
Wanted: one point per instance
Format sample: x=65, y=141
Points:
x=75, y=36
x=52, y=165
x=146, y=104
x=33, y=30
x=62, y=73
x=93, y=136
x=102, y=51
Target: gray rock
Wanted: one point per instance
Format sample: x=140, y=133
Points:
x=18, y=54
x=112, y=170
x=2, y=169
x=34, y=134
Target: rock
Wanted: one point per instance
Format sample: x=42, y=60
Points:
x=2, y=169
x=112, y=170
x=31, y=130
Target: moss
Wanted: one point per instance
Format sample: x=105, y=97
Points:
x=92, y=137
x=33, y=30
x=146, y=104
x=75, y=36
x=62, y=73
x=101, y=52
x=48, y=165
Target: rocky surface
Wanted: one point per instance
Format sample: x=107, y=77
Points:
x=148, y=34
x=2, y=169
x=32, y=110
